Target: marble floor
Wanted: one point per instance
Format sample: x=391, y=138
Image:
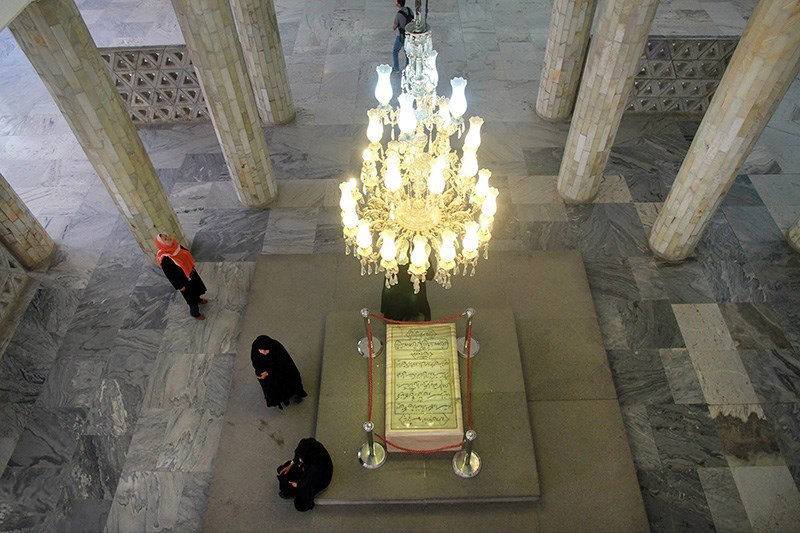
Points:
x=111, y=396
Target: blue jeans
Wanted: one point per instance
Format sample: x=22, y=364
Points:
x=398, y=45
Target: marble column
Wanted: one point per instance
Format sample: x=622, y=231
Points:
x=620, y=36
x=766, y=61
x=213, y=43
x=257, y=25
x=20, y=232
x=563, y=60
x=58, y=44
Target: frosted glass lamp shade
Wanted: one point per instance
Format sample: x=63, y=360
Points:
x=430, y=68
x=482, y=187
x=489, y=207
x=419, y=253
x=364, y=237
x=469, y=164
x=388, y=246
x=458, y=100
x=383, y=90
x=436, y=178
x=406, y=119
x=473, y=139
x=375, y=127
x=447, y=252
x=392, y=180
x=470, y=241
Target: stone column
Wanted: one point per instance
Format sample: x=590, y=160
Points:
x=257, y=25
x=766, y=61
x=607, y=80
x=20, y=232
x=563, y=59
x=211, y=37
x=57, y=42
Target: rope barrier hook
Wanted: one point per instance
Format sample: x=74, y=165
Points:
x=363, y=345
x=468, y=342
x=371, y=455
x=466, y=462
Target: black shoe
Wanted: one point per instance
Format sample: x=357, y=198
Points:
x=284, y=495
x=298, y=399
x=280, y=407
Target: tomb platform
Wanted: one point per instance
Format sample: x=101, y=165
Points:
x=499, y=412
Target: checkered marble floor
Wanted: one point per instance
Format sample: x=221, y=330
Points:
x=111, y=396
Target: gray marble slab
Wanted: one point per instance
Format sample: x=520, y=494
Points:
x=753, y=326
x=686, y=436
x=675, y=500
x=50, y=437
x=775, y=374
x=681, y=376
x=639, y=377
x=723, y=500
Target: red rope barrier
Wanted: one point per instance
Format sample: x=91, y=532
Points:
x=468, y=342
x=436, y=450
x=403, y=322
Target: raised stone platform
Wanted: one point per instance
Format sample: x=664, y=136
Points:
x=500, y=414
x=586, y=474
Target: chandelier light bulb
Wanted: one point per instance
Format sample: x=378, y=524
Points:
x=472, y=141
x=347, y=201
x=469, y=164
x=489, y=207
x=419, y=254
x=388, y=246
x=392, y=180
x=458, y=100
x=470, y=241
x=447, y=253
x=383, y=90
x=406, y=118
x=482, y=187
x=430, y=68
x=364, y=237
x=349, y=219
x=436, y=178
x=444, y=112
x=375, y=127
x=367, y=156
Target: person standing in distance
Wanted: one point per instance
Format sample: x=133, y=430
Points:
x=403, y=16
x=178, y=265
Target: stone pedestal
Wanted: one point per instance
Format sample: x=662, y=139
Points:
x=613, y=57
x=211, y=38
x=765, y=63
x=20, y=232
x=563, y=59
x=423, y=391
x=257, y=25
x=58, y=44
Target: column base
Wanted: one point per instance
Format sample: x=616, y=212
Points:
x=674, y=259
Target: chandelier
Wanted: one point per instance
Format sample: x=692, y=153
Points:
x=415, y=194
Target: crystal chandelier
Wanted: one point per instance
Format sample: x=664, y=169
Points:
x=415, y=193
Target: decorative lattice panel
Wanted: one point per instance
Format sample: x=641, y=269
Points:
x=13, y=280
x=679, y=75
x=157, y=84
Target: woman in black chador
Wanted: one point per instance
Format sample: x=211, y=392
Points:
x=307, y=474
x=276, y=372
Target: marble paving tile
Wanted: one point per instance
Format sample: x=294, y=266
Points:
x=681, y=376
x=722, y=377
x=302, y=193
x=686, y=436
x=178, y=381
x=746, y=435
x=540, y=212
x=96, y=467
x=548, y=236
x=742, y=193
x=88, y=516
x=784, y=215
x=753, y=326
x=685, y=282
x=785, y=418
x=146, y=502
x=648, y=212
x=613, y=189
x=775, y=374
x=780, y=281
x=674, y=500
x=148, y=440
x=28, y=494
x=291, y=231
x=778, y=189
x=147, y=307
x=770, y=497
x=756, y=231
x=204, y=167
x=612, y=277
x=608, y=229
x=611, y=325
x=703, y=327
x=72, y=382
x=21, y=380
x=645, y=187
x=639, y=377
x=647, y=278
x=640, y=437
x=734, y=281
x=723, y=500
x=124, y=382
x=193, y=501
x=191, y=440
x=50, y=437
x=534, y=189
x=543, y=161
x=650, y=324
x=652, y=154
x=230, y=234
